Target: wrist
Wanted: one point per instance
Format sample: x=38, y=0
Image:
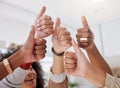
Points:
x=57, y=54
x=16, y=59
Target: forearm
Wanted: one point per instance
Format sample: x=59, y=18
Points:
x=63, y=84
x=97, y=60
x=95, y=75
x=14, y=61
x=15, y=79
x=3, y=71
x=57, y=67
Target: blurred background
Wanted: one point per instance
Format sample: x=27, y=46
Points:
x=17, y=16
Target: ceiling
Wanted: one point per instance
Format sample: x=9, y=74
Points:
x=22, y=13
x=70, y=11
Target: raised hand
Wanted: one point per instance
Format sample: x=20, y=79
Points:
x=85, y=37
x=75, y=63
x=33, y=50
x=43, y=25
x=61, y=38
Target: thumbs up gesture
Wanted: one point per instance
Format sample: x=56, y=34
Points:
x=43, y=25
x=85, y=37
x=61, y=38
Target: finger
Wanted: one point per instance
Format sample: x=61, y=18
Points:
x=31, y=35
x=66, y=43
x=39, y=52
x=78, y=51
x=40, y=41
x=47, y=31
x=46, y=26
x=39, y=57
x=45, y=17
x=83, y=35
x=63, y=32
x=83, y=45
x=40, y=47
x=46, y=22
x=69, y=65
x=65, y=37
x=68, y=71
x=84, y=22
x=42, y=12
x=70, y=60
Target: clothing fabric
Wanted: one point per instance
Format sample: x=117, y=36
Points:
x=112, y=82
x=16, y=79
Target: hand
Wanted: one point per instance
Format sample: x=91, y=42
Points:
x=40, y=48
x=85, y=33
x=43, y=25
x=33, y=50
x=76, y=63
x=61, y=38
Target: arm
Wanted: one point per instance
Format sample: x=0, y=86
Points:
x=61, y=41
x=97, y=59
x=94, y=55
x=15, y=79
x=58, y=77
x=26, y=54
x=12, y=61
x=77, y=64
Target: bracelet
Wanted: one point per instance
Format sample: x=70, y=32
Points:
x=7, y=66
x=57, y=54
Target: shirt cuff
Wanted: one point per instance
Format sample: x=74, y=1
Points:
x=57, y=78
x=18, y=75
x=109, y=81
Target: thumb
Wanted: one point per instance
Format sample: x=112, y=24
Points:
x=80, y=55
x=31, y=35
x=84, y=22
x=57, y=24
x=42, y=12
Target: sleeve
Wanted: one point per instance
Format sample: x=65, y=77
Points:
x=112, y=82
x=58, y=81
x=15, y=79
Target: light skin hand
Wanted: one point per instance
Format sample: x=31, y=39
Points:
x=85, y=32
x=76, y=64
x=61, y=38
x=43, y=24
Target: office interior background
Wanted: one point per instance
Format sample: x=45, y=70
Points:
x=17, y=16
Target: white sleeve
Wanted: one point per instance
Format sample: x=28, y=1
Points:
x=15, y=79
x=112, y=82
x=57, y=78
